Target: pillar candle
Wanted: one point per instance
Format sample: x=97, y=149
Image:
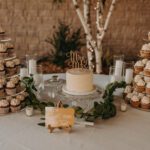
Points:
x=32, y=66
x=23, y=72
x=129, y=76
x=118, y=67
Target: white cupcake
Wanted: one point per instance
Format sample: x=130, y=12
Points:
x=2, y=92
x=22, y=99
x=17, y=64
x=144, y=61
x=128, y=97
x=145, y=51
x=146, y=79
x=145, y=102
x=10, y=68
x=4, y=106
x=16, y=81
x=140, y=86
x=135, y=101
x=10, y=88
x=2, y=31
x=2, y=70
x=148, y=88
x=3, y=50
x=147, y=69
x=138, y=67
x=140, y=95
x=15, y=105
x=137, y=78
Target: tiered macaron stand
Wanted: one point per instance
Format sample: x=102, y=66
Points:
x=10, y=57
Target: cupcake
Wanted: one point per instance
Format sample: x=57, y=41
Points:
x=2, y=92
x=147, y=69
x=9, y=98
x=10, y=68
x=2, y=70
x=10, y=88
x=127, y=90
x=135, y=101
x=16, y=81
x=141, y=95
x=137, y=78
x=148, y=88
x=22, y=100
x=146, y=79
x=145, y=102
x=17, y=64
x=128, y=97
x=144, y=61
x=138, y=67
x=15, y=105
x=140, y=86
x=1, y=30
x=9, y=45
x=4, y=106
x=3, y=51
x=145, y=51
x=2, y=80
x=10, y=48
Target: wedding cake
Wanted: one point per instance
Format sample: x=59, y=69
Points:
x=79, y=80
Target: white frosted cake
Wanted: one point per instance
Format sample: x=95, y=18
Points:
x=79, y=80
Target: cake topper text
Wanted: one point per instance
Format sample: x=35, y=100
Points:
x=76, y=60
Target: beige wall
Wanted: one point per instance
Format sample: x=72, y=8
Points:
x=29, y=22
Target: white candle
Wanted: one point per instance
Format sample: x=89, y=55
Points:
x=129, y=76
x=123, y=107
x=23, y=73
x=32, y=66
x=29, y=111
x=118, y=67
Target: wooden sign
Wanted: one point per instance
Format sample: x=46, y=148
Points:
x=61, y=118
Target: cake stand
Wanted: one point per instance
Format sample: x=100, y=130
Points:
x=84, y=101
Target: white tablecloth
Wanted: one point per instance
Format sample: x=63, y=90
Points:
x=126, y=131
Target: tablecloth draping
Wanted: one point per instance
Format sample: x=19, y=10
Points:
x=127, y=131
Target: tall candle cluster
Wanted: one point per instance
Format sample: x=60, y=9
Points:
x=119, y=72
x=30, y=70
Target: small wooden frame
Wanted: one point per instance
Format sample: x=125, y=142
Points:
x=59, y=118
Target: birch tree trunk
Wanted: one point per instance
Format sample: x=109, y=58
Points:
x=86, y=12
x=95, y=45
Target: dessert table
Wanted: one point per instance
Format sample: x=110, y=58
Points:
x=127, y=131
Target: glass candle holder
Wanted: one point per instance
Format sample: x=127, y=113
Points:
x=31, y=61
x=128, y=67
x=113, y=76
x=29, y=111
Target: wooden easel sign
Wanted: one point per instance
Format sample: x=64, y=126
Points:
x=61, y=118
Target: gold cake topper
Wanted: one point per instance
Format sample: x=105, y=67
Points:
x=76, y=60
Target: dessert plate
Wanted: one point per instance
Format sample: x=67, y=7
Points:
x=65, y=90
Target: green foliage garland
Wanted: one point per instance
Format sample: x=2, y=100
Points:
x=104, y=109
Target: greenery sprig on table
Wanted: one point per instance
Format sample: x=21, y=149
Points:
x=104, y=110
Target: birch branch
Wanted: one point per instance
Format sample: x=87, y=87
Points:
x=99, y=21
x=108, y=19
x=89, y=36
